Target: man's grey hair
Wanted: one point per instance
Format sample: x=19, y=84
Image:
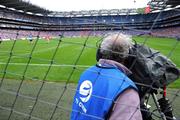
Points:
x=115, y=47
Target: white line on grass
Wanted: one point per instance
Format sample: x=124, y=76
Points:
x=46, y=65
x=23, y=54
x=35, y=52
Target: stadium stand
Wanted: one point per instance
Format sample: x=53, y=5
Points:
x=19, y=18
x=11, y=19
x=156, y=5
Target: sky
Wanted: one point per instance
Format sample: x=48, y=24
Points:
x=78, y=5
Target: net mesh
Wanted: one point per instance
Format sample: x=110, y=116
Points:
x=40, y=67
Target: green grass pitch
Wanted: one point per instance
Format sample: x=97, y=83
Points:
x=72, y=51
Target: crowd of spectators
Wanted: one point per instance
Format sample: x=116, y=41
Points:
x=24, y=34
x=84, y=20
x=7, y=34
x=167, y=32
x=18, y=25
x=18, y=16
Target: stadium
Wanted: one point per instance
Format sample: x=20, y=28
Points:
x=44, y=52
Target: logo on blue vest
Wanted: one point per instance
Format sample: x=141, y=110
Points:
x=85, y=90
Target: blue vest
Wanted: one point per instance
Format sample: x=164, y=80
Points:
x=97, y=89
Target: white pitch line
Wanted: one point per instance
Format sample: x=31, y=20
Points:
x=37, y=51
x=46, y=65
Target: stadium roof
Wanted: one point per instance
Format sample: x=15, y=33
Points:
x=29, y=8
x=102, y=12
x=24, y=6
x=163, y=4
x=173, y=2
